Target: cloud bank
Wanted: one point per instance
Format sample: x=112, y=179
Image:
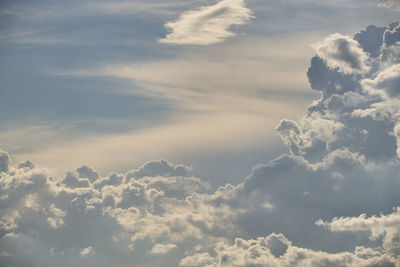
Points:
x=332, y=200
x=208, y=24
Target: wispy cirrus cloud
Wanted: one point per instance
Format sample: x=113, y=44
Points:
x=208, y=24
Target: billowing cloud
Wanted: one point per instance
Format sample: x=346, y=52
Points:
x=388, y=81
x=208, y=24
x=342, y=52
x=259, y=252
x=383, y=225
x=331, y=201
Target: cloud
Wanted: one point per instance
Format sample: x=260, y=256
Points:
x=87, y=251
x=208, y=24
x=199, y=78
x=388, y=81
x=162, y=248
x=258, y=252
x=198, y=259
x=383, y=225
x=342, y=52
x=390, y=4
x=161, y=168
x=300, y=209
x=4, y=161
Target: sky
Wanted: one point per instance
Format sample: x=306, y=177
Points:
x=200, y=133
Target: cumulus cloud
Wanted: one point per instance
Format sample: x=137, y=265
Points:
x=300, y=209
x=161, y=168
x=258, y=252
x=342, y=52
x=208, y=24
x=387, y=81
x=383, y=225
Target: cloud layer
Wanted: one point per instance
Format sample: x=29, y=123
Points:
x=332, y=200
x=208, y=24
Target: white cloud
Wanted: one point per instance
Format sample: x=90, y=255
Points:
x=207, y=25
x=344, y=53
x=162, y=248
x=260, y=252
x=198, y=259
x=87, y=251
x=383, y=225
x=387, y=81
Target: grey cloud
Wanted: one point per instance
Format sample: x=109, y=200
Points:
x=87, y=172
x=73, y=180
x=114, y=179
x=27, y=164
x=277, y=244
x=392, y=34
x=329, y=81
x=4, y=161
x=371, y=39
x=160, y=168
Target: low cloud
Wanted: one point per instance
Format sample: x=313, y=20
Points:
x=387, y=82
x=342, y=52
x=208, y=24
x=258, y=252
x=162, y=248
x=87, y=251
x=387, y=226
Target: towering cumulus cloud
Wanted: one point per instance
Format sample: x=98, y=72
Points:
x=207, y=25
x=332, y=200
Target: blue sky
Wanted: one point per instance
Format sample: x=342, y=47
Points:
x=199, y=133
x=62, y=80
